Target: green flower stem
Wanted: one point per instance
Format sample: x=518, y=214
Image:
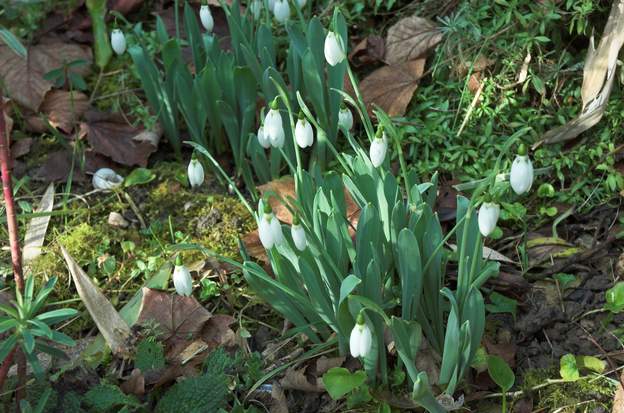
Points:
x=368, y=125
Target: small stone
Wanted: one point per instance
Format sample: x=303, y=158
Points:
x=115, y=219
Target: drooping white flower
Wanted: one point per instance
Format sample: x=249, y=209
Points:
x=378, y=150
x=281, y=10
x=298, y=235
x=334, y=53
x=273, y=128
x=106, y=178
x=488, y=216
x=301, y=3
x=345, y=117
x=269, y=228
x=263, y=139
x=195, y=172
x=521, y=175
x=118, y=41
x=271, y=5
x=256, y=7
x=361, y=339
x=304, y=135
x=206, y=18
x=182, y=280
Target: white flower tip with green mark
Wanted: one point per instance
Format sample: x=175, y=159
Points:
x=304, y=135
x=378, y=150
x=345, y=118
x=361, y=340
x=195, y=172
x=488, y=217
x=299, y=237
x=334, y=53
x=206, y=18
x=182, y=280
x=281, y=10
x=273, y=128
x=118, y=41
x=521, y=175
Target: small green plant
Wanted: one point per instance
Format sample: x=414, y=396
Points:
x=30, y=328
x=502, y=375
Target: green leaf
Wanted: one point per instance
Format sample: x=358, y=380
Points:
x=501, y=373
x=568, y=368
x=501, y=304
x=591, y=363
x=55, y=316
x=12, y=41
x=104, y=397
x=565, y=280
x=139, y=176
x=614, y=298
x=339, y=381
x=149, y=355
x=6, y=346
x=546, y=190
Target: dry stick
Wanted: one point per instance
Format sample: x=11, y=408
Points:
x=16, y=256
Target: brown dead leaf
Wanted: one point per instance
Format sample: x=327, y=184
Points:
x=618, y=400
x=410, y=38
x=57, y=167
x=21, y=147
x=279, y=403
x=217, y=331
x=111, y=136
x=392, y=87
x=62, y=109
x=369, y=50
x=53, y=55
x=296, y=379
x=324, y=363
x=135, y=384
x=179, y=318
x=23, y=82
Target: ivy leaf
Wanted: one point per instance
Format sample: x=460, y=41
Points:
x=339, y=381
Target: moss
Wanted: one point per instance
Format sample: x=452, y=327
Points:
x=587, y=393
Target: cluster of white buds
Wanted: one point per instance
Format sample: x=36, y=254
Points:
x=269, y=227
x=118, y=41
x=182, y=280
x=361, y=339
x=206, y=18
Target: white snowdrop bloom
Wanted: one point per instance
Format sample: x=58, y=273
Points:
x=361, y=339
x=118, y=41
x=195, y=172
x=182, y=280
x=269, y=228
x=281, y=10
x=301, y=3
x=298, y=235
x=273, y=128
x=488, y=216
x=378, y=150
x=521, y=175
x=345, y=118
x=333, y=49
x=206, y=18
x=106, y=178
x=256, y=8
x=263, y=139
x=304, y=135
x=271, y=5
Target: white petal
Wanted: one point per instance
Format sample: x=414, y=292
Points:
x=195, y=173
x=487, y=217
x=378, y=150
x=366, y=341
x=271, y=4
x=281, y=10
x=264, y=231
x=304, y=134
x=182, y=280
x=276, y=231
x=263, y=139
x=354, y=341
x=521, y=175
x=301, y=3
x=333, y=50
x=273, y=128
x=118, y=41
x=106, y=178
x=299, y=237
x=206, y=18
x=256, y=7
x=345, y=118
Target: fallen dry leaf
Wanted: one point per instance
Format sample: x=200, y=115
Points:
x=57, y=167
x=392, y=87
x=62, y=109
x=369, y=50
x=111, y=136
x=217, y=331
x=410, y=38
x=179, y=318
x=21, y=147
x=323, y=364
x=54, y=54
x=37, y=228
x=296, y=379
x=618, y=400
x=135, y=384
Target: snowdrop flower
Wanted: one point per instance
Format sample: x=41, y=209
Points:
x=106, y=178
x=488, y=216
x=304, y=135
x=521, y=176
x=298, y=234
x=182, y=280
x=301, y=3
x=118, y=41
x=255, y=7
x=269, y=228
x=345, y=117
x=271, y=4
x=195, y=172
x=378, y=149
x=273, y=128
x=206, y=18
x=281, y=10
x=263, y=139
x=361, y=338
x=333, y=50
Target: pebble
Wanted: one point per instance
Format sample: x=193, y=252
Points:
x=115, y=219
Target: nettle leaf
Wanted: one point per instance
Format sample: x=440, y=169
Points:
x=339, y=381
x=501, y=373
x=104, y=397
x=568, y=368
x=150, y=355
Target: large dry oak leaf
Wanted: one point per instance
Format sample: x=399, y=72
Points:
x=410, y=38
